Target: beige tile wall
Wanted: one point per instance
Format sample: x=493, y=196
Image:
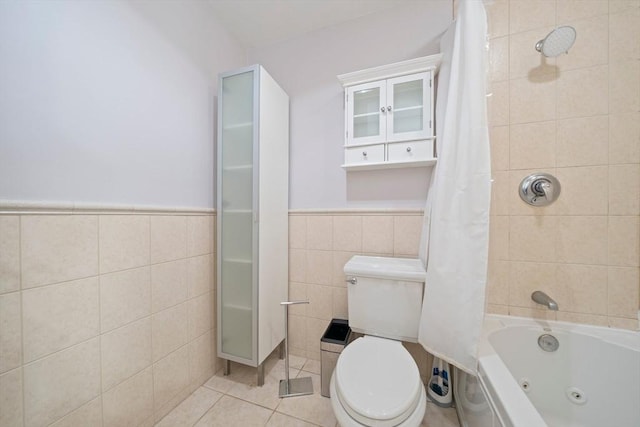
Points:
x=578, y=117
x=104, y=319
x=320, y=244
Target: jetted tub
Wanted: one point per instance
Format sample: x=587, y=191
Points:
x=591, y=380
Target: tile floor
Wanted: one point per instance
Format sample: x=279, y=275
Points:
x=235, y=400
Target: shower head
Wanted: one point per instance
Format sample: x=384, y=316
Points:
x=557, y=41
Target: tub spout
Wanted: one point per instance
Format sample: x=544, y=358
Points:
x=544, y=299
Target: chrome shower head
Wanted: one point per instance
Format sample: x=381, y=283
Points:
x=557, y=41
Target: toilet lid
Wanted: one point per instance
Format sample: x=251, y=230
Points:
x=377, y=381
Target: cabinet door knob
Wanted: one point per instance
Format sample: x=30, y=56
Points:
x=389, y=108
x=382, y=109
x=408, y=149
x=364, y=153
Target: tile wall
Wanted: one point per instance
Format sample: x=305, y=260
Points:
x=104, y=319
x=578, y=118
x=320, y=244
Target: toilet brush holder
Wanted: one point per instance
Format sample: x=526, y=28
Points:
x=438, y=389
x=290, y=387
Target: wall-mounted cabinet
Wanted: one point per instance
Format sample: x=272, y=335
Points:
x=252, y=214
x=389, y=118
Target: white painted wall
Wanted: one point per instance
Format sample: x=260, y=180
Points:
x=110, y=101
x=306, y=67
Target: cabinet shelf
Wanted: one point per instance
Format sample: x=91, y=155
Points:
x=236, y=307
x=237, y=260
x=413, y=108
x=390, y=165
x=235, y=126
x=397, y=110
x=237, y=168
x=236, y=211
x=375, y=113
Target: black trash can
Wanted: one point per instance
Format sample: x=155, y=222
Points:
x=333, y=341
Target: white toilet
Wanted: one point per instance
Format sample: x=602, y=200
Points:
x=376, y=382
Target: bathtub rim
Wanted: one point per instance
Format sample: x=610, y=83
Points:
x=621, y=337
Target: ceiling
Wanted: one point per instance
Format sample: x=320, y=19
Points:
x=258, y=23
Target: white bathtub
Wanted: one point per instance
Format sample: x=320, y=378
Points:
x=591, y=380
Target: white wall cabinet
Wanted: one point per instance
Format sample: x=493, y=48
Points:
x=252, y=215
x=389, y=118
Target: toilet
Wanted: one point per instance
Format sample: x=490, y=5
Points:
x=376, y=382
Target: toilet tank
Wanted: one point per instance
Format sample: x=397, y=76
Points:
x=385, y=299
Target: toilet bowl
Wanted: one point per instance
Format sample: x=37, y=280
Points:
x=376, y=383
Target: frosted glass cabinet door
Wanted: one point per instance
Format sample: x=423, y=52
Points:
x=235, y=213
x=366, y=119
x=409, y=107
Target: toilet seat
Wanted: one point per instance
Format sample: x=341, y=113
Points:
x=377, y=382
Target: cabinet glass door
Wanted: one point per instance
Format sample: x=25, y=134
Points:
x=235, y=214
x=366, y=120
x=409, y=116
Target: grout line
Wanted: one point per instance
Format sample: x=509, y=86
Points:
x=29, y=289
x=21, y=319
x=151, y=365
x=209, y=408
x=100, y=324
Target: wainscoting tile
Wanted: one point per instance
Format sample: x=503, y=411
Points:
x=10, y=332
x=59, y=316
x=125, y=296
x=170, y=330
x=9, y=253
x=168, y=284
x=125, y=352
x=198, y=235
x=170, y=376
x=58, y=248
x=11, y=413
x=89, y=414
x=60, y=383
x=199, y=275
x=168, y=238
x=131, y=402
x=124, y=242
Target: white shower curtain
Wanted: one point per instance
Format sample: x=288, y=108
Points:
x=456, y=227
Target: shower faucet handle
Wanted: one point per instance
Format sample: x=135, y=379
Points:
x=543, y=186
x=539, y=189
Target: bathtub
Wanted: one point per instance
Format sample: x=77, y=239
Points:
x=591, y=380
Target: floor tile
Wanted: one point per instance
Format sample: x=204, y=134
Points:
x=266, y=395
x=312, y=366
x=311, y=408
x=232, y=412
x=191, y=409
x=281, y=420
x=436, y=416
x=223, y=383
x=236, y=400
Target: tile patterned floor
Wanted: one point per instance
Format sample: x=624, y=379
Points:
x=236, y=400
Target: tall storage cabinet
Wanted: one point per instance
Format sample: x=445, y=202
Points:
x=252, y=215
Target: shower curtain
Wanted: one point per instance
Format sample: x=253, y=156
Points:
x=455, y=236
